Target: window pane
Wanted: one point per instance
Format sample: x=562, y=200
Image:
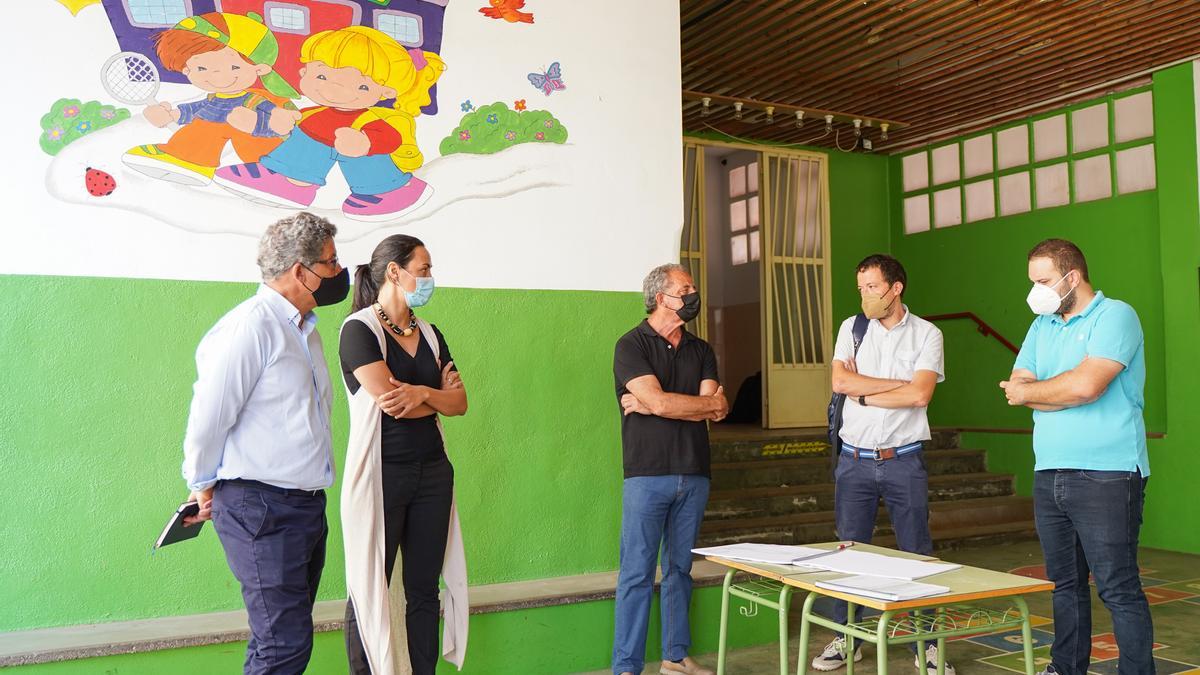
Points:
x=1093, y=179
x=1089, y=128
x=737, y=181
x=1012, y=147
x=977, y=156
x=916, y=214
x=737, y=249
x=945, y=164
x=1014, y=193
x=754, y=211
x=752, y=177
x=737, y=216
x=288, y=19
x=1134, y=117
x=402, y=28
x=754, y=245
x=1135, y=169
x=1050, y=137
x=981, y=200
x=158, y=12
x=947, y=207
x=1052, y=186
x=916, y=171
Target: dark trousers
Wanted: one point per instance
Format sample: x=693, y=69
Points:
x=275, y=544
x=903, y=484
x=1090, y=520
x=416, y=521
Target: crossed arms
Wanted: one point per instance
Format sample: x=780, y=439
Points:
x=884, y=393
x=646, y=397
x=1081, y=385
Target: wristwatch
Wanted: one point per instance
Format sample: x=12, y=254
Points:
x=862, y=400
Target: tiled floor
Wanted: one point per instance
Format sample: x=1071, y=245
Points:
x=1171, y=580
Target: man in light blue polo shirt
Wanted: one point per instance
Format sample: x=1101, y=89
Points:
x=1082, y=370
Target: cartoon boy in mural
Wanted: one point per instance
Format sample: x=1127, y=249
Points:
x=224, y=55
x=347, y=72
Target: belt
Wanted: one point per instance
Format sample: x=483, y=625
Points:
x=291, y=492
x=880, y=454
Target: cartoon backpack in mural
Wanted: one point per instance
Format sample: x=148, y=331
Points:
x=224, y=55
x=347, y=72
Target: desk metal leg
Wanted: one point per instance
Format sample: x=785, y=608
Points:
x=881, y=643
x=941, y=662
x=1026, y=633
x=802, y=667
x=850, y=612
x=724, y=634
x=785, y=597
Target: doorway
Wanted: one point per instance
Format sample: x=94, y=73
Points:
x=755, y=240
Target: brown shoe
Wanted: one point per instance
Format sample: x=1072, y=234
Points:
x=688, y=667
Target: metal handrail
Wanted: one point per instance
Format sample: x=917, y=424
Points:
x=984, y=328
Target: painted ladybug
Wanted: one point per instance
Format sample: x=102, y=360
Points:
x=99, y=183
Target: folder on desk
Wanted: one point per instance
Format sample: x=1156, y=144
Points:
x=883, y=588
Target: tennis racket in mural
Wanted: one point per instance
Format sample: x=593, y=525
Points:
x=131, y=78
x=549, y=80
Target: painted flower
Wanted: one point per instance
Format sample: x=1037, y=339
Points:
x=55, y=133
x=70, y=111
x=83, y=127
x=510, y=135
x=519, y=105
x=549, y=124
x=540, y=136
x=108, y=112
x=493, y=118
x=464, y=135
x=467, y=106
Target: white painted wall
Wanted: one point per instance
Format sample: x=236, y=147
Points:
x=596, y=213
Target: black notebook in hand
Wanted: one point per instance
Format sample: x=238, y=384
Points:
x=176, y=530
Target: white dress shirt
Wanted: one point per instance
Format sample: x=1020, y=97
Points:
x=897, y=354
x=261, y=402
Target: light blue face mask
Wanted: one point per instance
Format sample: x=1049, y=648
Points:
x=420, y=295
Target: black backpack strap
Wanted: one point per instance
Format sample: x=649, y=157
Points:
x=838, y=401
x=859, y=331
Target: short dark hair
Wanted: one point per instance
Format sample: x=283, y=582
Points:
x=889, y=267
x=1065, y=255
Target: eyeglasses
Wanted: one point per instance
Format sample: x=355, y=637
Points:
x=332, y=261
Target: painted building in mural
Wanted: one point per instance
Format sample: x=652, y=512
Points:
x=412, y=23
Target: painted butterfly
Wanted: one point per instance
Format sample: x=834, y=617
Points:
x=550, y=80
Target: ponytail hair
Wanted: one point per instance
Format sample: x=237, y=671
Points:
x=369, y=278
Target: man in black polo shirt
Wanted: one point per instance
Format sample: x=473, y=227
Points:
x=667, y=387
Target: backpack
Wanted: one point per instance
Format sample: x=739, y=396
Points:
x=838, y=401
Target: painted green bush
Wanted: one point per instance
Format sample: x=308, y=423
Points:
x=69, y=120
x=495, y=127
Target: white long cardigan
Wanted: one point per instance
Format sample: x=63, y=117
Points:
x=378, y=610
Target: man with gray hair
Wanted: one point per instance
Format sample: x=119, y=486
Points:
x=667, y=387
x=257, y=455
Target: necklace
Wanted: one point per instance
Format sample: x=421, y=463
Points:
x=412, y=321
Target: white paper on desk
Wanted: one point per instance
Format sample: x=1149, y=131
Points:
x=876, y=565
x=882, y=588
x=774, y=554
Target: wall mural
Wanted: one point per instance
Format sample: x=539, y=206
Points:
x=437, y=118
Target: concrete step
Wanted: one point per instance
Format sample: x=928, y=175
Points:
x=759, y=502
x=811, y=470
x=775, y=444
x=954, y=523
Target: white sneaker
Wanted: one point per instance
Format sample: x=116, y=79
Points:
x=931, y=656
x=834, y=656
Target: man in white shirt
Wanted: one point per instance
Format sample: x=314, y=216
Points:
x=257, y=455
x=888, y=385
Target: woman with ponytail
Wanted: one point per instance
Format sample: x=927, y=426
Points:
x=397, y=493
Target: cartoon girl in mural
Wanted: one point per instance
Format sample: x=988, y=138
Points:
x=224, y=55
x=347, y=72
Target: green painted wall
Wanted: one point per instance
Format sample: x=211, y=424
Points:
x=1143, y=248
x=96, y=404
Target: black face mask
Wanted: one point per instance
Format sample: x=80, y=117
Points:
x=691, y=306
x=331, y=290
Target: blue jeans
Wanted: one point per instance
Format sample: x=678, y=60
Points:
x=1089, y=520
x=903, y=484
x=275, y=545
x=656, y=511
x=303, y=158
